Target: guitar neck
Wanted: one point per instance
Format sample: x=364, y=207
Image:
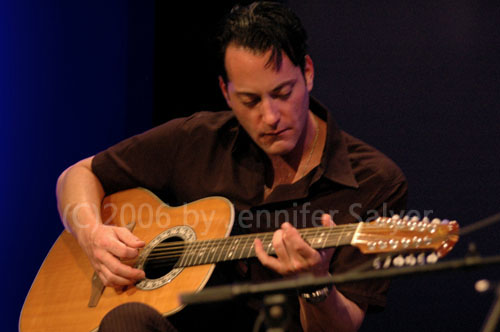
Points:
x=242, y=246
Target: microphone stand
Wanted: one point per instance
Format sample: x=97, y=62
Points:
x=494, y=314
x=225, y=293
x=276, y=305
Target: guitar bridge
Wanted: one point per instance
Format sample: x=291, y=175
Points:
x=97, y=285
x=97, y=289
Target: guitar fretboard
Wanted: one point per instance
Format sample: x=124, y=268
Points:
x=242, y=246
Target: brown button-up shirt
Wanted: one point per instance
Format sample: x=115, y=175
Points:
x=210, y=154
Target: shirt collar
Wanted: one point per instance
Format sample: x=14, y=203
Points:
x=335, y=164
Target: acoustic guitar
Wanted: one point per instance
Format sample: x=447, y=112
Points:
x=182, y=246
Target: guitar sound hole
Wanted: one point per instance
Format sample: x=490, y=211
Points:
x=163, y=257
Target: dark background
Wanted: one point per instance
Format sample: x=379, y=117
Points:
x=419, y=81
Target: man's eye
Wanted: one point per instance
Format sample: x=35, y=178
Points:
x=283, y=96
x=251, y=103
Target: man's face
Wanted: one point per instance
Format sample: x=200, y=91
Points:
x=272, y=106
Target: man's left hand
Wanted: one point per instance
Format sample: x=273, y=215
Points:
x=294, y=255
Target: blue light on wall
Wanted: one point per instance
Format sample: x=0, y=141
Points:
x=63, y=96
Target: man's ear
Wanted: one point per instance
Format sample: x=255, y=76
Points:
x=223, y=88
x=309, y=73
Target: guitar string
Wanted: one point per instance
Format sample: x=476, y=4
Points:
x=202, y=248
x=304, y=232
x=172, y=259
x=179, y=248
x=210, y=242
x=166, y=253
x=202, y=245
x=178, y=253
x=171, y=251
x=173, y=262
x=166, y=259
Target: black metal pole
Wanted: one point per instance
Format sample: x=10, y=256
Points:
x=491, y=321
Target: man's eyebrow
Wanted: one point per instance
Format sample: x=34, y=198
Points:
x=282, y=85
x=276, y=89
x=244, y=93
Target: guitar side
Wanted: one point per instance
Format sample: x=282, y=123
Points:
x=58, y=298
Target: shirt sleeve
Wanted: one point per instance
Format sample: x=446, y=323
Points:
x=371, y=294
x=144, y=160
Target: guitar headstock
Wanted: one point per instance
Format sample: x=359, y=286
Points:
x=395, y=234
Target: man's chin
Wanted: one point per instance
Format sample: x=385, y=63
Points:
x=277, y=149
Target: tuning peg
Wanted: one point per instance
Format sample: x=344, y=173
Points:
x=393, y=244
x=421, y=259
x=436, y=221
x=410, y=260
x=387, y=262
x=405, y=242
x=421, y=226
x=378, y=264
x=432, y=258
x=398, y=261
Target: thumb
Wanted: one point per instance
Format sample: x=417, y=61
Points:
x=128, y=238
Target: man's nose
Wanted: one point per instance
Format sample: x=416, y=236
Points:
x=270, y=112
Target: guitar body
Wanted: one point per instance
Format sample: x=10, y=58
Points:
x=59, y=297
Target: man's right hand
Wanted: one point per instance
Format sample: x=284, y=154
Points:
x=106, y=246
x=79, y=197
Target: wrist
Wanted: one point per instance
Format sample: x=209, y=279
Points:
x=82, y=219
x=316, y=295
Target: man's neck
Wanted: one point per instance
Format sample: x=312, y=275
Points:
x=292, y=167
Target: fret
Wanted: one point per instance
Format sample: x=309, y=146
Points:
x=334, y=238
x=212, y=253
x=184, y=256
x=181, y=260
x=233, y=243
x=196, y=248
x=323, y=237
x=196, y=253
x=251, y=249
x=203, y=252
x=242, y=247
x=239, y=253
x=220, y=248
x=269, y=246
x=319, y=238
x=315, y=237
x=190, y=253
x=340, y=237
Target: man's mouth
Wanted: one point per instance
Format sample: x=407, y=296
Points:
x=275, y=133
